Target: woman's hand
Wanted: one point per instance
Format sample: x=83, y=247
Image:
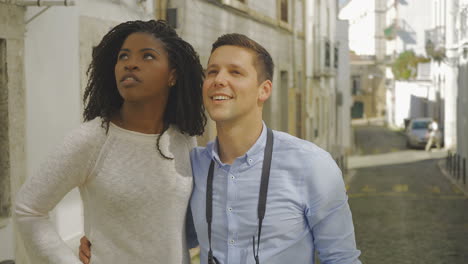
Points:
x=85, y=250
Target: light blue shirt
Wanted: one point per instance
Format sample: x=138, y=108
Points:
x=307, y=206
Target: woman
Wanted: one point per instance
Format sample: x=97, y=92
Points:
x=130, y=159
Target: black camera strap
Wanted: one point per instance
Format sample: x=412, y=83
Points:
x=261, y=199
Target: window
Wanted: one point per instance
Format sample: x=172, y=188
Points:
x=284, y=100
x=327, y=53
x=299, y=115
x=356, y=85
x=336, y=57
x=284, y=10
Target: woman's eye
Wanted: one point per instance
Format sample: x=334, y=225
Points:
x=210, y=72
x=123, y=56
x=235, y=72
x=148, y=56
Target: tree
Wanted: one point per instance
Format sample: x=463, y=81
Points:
x=406, y=65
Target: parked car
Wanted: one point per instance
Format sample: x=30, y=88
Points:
x=417, y=132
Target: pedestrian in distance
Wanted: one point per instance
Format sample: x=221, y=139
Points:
x=434, y=135
x=130, y=159
x=262, y=196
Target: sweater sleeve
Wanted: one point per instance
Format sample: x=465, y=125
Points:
x=65, y=169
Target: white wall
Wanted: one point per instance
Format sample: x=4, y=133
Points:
x=403, y=92
x=7, y=250
x=53, y=97
x=54, y=66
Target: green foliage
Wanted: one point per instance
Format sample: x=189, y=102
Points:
x=406, y=65
x=436, y=53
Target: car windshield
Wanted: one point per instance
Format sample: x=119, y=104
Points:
x=420, y=124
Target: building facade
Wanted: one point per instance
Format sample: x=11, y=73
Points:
x=45, y=52
x=367, y=45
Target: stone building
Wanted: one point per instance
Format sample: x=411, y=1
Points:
x=45, y=51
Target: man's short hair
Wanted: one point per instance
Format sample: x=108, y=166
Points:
x=263, y=61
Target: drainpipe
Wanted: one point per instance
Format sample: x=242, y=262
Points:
x=47, y=3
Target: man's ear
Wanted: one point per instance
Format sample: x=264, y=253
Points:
x=264, y=90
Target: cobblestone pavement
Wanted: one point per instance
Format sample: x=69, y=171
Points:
x=405, y=210
x=377, y=139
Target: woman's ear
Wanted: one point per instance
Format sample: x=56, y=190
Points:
x=172, y=78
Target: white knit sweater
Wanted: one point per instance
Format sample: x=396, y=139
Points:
x=134, y=200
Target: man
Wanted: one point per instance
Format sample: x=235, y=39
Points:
x=306, y=206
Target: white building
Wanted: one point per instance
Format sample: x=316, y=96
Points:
x=443, y=35
x=406, y=25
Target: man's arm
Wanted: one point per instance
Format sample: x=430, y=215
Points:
x=329, y=215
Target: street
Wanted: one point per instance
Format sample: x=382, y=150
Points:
x=405, y=210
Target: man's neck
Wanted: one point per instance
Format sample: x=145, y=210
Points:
x=234, y=140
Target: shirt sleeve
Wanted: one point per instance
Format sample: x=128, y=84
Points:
x=66, y=168
x=328, y=213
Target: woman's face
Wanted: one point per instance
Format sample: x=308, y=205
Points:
x=142, y=70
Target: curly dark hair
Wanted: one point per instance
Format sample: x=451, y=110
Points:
x=185, y=104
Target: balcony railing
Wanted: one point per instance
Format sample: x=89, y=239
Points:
x=436, y=36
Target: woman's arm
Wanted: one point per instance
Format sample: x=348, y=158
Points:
x=67, y=168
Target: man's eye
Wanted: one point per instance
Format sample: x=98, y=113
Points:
x=235, y=72
x=210, y=72
x=148, y=56
x=123, y=56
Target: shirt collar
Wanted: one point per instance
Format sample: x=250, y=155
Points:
x=250, y=156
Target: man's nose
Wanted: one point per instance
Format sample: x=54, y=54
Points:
x=220, y=79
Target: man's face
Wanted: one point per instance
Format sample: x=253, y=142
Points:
x=231, y=90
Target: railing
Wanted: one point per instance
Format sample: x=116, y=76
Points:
x=456, y=166
x=436, y=36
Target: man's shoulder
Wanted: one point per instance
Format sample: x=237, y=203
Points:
x=199, y=153
x=288, y=143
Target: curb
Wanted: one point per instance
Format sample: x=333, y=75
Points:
x=462, y=188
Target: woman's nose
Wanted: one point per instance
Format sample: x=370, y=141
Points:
x=131, y=67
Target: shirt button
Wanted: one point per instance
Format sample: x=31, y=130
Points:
x=230, y=209
x=231, y=242
x=250, y=160
x=232, y=177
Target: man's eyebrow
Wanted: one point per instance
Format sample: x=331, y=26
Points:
x=235, y=65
